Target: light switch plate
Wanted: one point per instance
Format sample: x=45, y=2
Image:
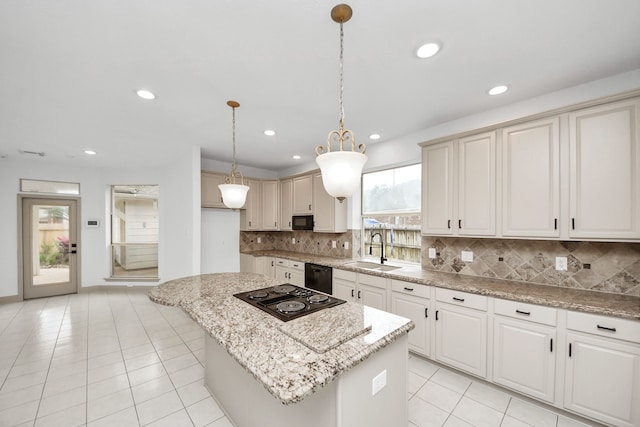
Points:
x=466, y=256
x=333, y=244
x=378, y=382
x=432, y=253
x=293, y=240
x=561, y=263
x=259, y=239
x=346, y=245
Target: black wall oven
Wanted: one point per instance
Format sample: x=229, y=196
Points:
x=318, y=277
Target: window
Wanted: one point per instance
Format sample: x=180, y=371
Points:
x=391, y=207
x=134, y=231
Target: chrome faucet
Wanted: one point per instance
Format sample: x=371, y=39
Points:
x=382, y=258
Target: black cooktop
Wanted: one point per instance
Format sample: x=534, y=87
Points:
x=287, y=301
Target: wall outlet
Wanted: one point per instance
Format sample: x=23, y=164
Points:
x=561, y=263
x=346, y=245
x=432, y=253
x=293, y=240
x=378, y=382
x=259, y=239
x=466, y=256
x=333, y=244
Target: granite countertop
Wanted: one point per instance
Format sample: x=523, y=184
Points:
x=289, y=363
x=608, y=304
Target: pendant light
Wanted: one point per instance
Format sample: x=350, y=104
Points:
x=234, y=195
x=341, y=170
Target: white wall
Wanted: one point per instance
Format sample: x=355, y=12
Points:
x=220, y=243
x=179, y=212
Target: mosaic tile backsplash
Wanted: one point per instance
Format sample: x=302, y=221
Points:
x=307, y=242
x=596, y=266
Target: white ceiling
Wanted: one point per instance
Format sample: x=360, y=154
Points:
x=69, y=68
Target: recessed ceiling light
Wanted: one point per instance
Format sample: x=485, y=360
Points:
x=296, y=157
x=145, y=94
x=90, y=152
x=498, y=90
x=269, y=132
x=428, y=50
x=374, y=136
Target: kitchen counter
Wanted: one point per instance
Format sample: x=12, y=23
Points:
x=568, y=298
x=278, y=354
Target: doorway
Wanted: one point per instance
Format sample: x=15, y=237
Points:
x=49, y=256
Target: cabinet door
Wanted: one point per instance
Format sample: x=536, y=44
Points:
x=477, y=185
x=461, y=338
x=344, y=289
x=524, y=357
x=416, y=309
x=605, y=171
x=303, y=195
x=286, y=204
x=329, y=214
x=250, y=217
x=210, y=193
x=530, y=179
x=437, y=188
x=372, y=296
x=270, y=204
x=296, y=277
x=602, y=379
x=282, y=272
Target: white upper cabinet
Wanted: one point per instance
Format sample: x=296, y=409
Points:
x=477, y=185
x=437, y=188
x=459, y=187
x=329, y=214
x=605, y=171
x=250, y=216
x=270, y=205
x=286, y=204
x=530, y=179
x=210, y=193
x=303, y=195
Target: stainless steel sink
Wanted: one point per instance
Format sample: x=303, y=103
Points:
x=372, y=266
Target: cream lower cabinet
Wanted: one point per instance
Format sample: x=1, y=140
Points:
x=362, y=288
x=265, y=266
x=291, y=271
x=461, y=331
x=602, y=372
x=524, y=348
x=413, y=302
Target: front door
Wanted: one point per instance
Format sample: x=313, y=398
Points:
x=49, y=246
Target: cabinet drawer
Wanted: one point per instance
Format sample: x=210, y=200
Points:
x=296, y=265
x=410, y=288
x=524, y=311
x=282, y=262
x=605, y=326
x=376, y=281
x=479, y=302
x=345, y=275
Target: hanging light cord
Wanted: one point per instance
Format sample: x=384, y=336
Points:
x=233, y=126
x=341, y=78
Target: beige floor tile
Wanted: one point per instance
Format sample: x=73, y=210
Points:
x=124, y=418
x=152, y=389
x=423, y=414
x=19, y=414
x=107, y=386
x=531, y=414
x=108, y=405
x=61, y=401
x=488, y=396
x=192, y=393
x=451, y=380
x=158, y=407
x=477, y=414
x=145, y=374
x=73, y=416
x=177, y=419
x=204, y=412
x=439, y=396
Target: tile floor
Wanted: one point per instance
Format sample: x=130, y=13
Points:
x=112, y=357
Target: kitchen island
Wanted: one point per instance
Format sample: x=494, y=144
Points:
x=343, y=366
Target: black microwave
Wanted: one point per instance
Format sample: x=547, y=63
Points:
x=302, y=222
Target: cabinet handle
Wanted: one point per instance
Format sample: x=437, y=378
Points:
x=448, y=223
x=271, y=263
x=275, y=223
x=359, y=292
x=573, y=223
x=249, y=223
x=408, y=289
x=459, y=223
x=353, y=293
x=526, y=313
x=458, y=299
x=605, y=328
x=569, y=349
x=309, y=207
x=551, y=345
x=437, y=314
x=426, y=312
x=555, y=223
x=289, y=223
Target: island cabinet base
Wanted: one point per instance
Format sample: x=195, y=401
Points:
x=345, y=402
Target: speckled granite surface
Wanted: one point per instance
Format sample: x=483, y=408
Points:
x=617, y=305
x=288, y=369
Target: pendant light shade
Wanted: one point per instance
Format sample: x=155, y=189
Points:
x=234, y=194
x=341, y=170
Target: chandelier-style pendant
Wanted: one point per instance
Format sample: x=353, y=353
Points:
x=341, y=170
x=234, y=193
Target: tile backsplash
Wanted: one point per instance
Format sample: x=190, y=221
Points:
x=597, y=266
x=306, y=242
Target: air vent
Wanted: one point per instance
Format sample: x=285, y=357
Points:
x=33, y=153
